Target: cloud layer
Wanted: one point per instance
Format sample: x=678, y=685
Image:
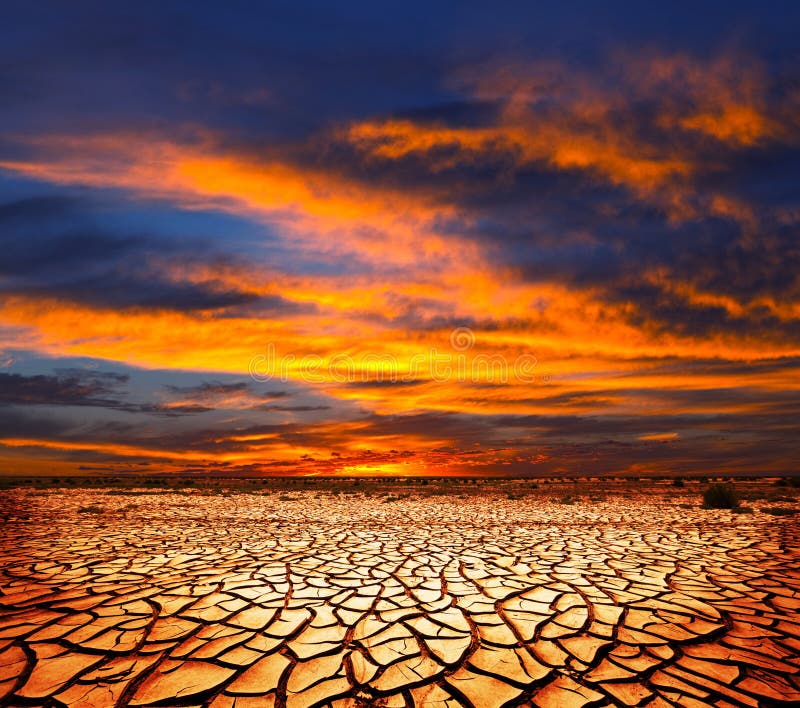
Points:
x=622, y=216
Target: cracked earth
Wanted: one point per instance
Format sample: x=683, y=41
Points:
x=317, y=599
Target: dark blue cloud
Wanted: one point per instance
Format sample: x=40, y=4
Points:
x=62, y=247
x=80, y=387
x=280, y=68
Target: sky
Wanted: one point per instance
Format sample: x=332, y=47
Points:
x=419, y=239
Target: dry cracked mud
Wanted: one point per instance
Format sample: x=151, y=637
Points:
x=315, y=599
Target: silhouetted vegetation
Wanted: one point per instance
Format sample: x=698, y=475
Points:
x=91, y=509
x=720, y=496
x=779, y=511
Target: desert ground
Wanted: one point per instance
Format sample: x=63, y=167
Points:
x=397, y=593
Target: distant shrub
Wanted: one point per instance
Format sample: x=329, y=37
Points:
x=720, y=496
x=794, y=481
x=92, y=509
x=678, y=482
x=782, y=482
x=779, y=511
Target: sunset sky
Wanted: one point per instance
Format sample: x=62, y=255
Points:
x=427, y=238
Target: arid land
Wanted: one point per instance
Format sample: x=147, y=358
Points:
x=408, y=592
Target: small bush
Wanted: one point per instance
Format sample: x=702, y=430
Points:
x=92, y=509
x=779, y=511
x=678, y=482
x=720, y=496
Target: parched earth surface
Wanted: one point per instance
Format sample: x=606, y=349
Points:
x=314, y=598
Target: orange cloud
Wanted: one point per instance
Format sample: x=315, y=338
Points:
x=314, y=210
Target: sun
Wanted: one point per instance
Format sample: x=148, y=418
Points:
x=406, y=468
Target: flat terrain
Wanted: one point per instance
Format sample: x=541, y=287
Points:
x=357, y=593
